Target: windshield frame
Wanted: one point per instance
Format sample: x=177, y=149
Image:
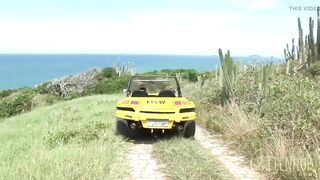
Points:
x=151, y=78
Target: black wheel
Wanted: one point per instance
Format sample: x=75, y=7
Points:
x=189, y=129
x=123, y=128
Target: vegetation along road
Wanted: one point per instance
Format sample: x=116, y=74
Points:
x=76, y=140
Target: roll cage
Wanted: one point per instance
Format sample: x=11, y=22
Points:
x=156, y=84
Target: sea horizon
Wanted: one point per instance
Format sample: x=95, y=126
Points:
x=29, y=69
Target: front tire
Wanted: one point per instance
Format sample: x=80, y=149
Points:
x=189, y=129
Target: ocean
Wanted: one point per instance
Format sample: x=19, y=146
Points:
x=26, y=70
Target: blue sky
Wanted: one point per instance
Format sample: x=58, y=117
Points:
x=197, y=27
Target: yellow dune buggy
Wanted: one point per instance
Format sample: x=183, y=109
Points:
x=155, y=104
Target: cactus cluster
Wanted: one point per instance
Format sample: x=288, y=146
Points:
x=228, y=72
x=308, y=49
x=123, y=68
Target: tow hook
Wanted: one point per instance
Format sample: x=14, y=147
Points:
x=179, y=128
x=133, y=126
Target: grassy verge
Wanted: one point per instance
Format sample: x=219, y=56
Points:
x=69, y=140
x=273, y=119
x=269, y=150
x=185, y=159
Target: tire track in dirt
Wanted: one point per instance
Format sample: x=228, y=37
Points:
x=142, y=165
x=233, y=163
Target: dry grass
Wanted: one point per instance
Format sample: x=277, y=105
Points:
x=276, y=129
x=270, y=151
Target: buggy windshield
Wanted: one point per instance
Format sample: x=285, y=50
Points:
x=154, y=86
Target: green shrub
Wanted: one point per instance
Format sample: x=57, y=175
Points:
x=209, y=92
x=279, y=119
x=18, y=103
x=188, y=74
x=191, y=75
x=109, y=72
x=108, y=82
x=64, y=128
x=58, y=137
x=83, y=134
x=109, y=85
x=43, y=88
x=289, y=103
x=314, y=70
x=6, y=93
x=91, y=131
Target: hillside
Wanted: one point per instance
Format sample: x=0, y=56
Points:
x=268, y=113
x=76, y=139
x=69, y=140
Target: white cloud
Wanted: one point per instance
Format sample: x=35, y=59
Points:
x=262, y=4
x=142, y=32
x=157, y=33
x=256, y=4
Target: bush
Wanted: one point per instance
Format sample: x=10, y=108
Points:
x=314, y=70
x=108, y=72
x=84, y=134
x=24, y=100
x=14, y=102
x=43, y=88
x=109, y=85
x=207, y=92
x=6, y=93
x=18, y=103
x=66, y=126
x=277, y=119
x=288, y=103
x=41, y=100
x=188, y=74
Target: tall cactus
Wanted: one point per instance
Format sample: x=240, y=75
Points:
x=308, y=49
x=301, y=44
x=290, y=54
x=228, y=71
x=318, y=34
x=293, y=54
x=263, y=85
x=311, y=43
